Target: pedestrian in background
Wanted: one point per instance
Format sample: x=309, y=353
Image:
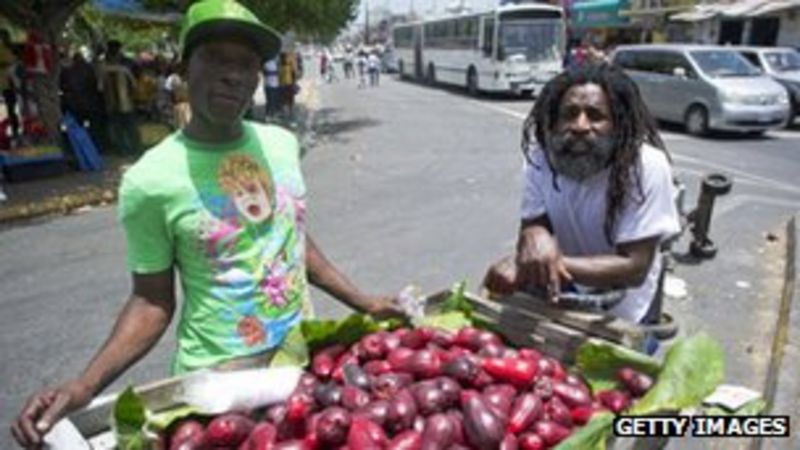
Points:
x=81, y=98
x=361, y=62
x=179, y=95
x=348, y=64
x=374, y=65
x=323, y=65
x=287, y=77
x=272, y=88
x=116, y=82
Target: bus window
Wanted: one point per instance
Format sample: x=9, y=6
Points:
x=535, y=41
x=488, y=37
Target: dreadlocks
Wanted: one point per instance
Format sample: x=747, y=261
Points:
x=633, y=126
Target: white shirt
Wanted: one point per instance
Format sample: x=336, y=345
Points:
x=577, y=212
x=374, y=61
x=271, y=73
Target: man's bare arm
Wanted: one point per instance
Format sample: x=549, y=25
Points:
x=627, y=268
x=139, y=326
x=324, y=275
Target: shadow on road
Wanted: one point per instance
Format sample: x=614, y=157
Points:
x=724, y=135
x=462, y=92
x=331, y=126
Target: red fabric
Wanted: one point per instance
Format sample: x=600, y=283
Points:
x=37, y=55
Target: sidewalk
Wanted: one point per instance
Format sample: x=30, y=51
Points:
x=78, y=191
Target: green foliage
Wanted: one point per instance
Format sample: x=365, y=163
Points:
x=593, y=436
x=91, y=27
x=317, y=19
x=130, y=417
x=693, y=368
x=598, y=362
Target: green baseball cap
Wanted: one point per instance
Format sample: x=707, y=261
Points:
x=209, y=19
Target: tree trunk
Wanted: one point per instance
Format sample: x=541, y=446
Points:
x=50, y=17
x=45, y=91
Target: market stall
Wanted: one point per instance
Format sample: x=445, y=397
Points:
x=468, y=373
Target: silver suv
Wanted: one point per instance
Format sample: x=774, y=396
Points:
x=704, y=87
x=782, y=64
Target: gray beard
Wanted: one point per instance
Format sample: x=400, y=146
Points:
x=579, y=166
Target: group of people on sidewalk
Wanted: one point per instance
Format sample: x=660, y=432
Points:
x=366, y=65
x=281, y=84
x=222, y=204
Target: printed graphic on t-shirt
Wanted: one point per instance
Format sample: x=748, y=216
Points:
x=250, y=233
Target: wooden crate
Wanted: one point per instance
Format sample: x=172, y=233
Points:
x=530, y=321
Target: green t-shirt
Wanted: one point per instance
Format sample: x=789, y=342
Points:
x=230, y=218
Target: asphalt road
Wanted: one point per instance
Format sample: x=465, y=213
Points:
x=407, y=184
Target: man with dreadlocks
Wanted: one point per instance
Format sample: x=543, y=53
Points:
x=598, y=193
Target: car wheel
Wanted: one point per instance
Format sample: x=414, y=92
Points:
x=472, y=82
x=697, y=121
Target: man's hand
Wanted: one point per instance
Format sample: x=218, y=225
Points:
x=502, y=279
x=540, y=262
x=47, y=407
x=383, y=307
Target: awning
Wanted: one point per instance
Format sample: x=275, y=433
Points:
x=133, y=9
x=774, y=7
x=599, y=14
x=737, y=9
x=740, y=8
x=654, y=11
x=697, y=15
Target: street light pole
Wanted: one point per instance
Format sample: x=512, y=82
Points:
x=366, y=22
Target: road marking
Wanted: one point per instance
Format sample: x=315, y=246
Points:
x=739, y=173
x=500, y=109
x=677, y=157
x=741, y=200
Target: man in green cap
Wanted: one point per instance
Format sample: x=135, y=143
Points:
x=222, y=202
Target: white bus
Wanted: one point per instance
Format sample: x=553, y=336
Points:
x=513, y=48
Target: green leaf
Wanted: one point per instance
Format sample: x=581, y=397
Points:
x=133, y=441
x=599, y=362
x=130, y=417
x=129, y=411
x=162, y=420
x=293, y=351
x=457, y=300
x=693, y=368
x=593, y=436
x=319, y=333
x=451, y=321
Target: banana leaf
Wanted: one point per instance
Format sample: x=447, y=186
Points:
x=692, y=369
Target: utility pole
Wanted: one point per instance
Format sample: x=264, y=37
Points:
x=366, y=22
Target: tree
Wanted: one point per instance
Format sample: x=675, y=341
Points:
x=48, y=17
x=319, y=19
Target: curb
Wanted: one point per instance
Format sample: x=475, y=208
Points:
x=780, y=386
x=58, y=204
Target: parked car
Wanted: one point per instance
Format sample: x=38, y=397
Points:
x=783, y=65
x=704, y=87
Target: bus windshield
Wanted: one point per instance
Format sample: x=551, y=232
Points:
x=535, y=40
